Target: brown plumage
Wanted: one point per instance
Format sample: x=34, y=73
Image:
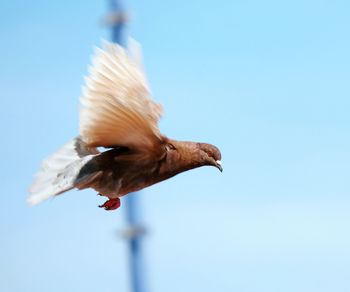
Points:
x=118, y=114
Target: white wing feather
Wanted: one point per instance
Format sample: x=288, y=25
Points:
x=117, y=109
x=58, y=172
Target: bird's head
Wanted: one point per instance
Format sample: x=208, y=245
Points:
x=210, y=155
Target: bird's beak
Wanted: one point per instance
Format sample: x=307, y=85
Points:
x=218, y=165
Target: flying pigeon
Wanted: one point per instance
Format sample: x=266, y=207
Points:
x=118, y=115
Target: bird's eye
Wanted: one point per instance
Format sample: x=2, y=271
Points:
x=170, y=147
x=210, y=154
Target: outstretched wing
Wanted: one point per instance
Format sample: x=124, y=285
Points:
x=117, y=108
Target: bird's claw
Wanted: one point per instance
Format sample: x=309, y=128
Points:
x=111, y=204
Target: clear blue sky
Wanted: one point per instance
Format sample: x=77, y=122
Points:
x=266, y=81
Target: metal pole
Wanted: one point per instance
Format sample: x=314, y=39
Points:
x=134, y=231
x=117, y=20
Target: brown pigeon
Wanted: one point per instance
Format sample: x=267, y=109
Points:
x=118, y=114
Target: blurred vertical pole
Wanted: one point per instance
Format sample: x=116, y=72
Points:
x=117, y=19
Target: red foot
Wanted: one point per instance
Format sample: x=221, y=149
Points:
x=111, y=204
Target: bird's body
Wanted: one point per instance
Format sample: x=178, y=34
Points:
x=118, y=114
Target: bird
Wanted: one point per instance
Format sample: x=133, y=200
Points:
x=119, y=149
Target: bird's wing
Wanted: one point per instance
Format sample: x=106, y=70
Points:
x=117, y=108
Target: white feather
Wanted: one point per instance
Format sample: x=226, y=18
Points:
x=117, y=108
x=59, y=171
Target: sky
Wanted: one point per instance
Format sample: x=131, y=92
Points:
x=265, y=81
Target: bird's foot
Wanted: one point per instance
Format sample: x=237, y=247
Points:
x=111, y=204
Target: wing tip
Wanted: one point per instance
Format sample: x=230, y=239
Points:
x=34, y=199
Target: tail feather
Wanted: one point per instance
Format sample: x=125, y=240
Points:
x=58, y=172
